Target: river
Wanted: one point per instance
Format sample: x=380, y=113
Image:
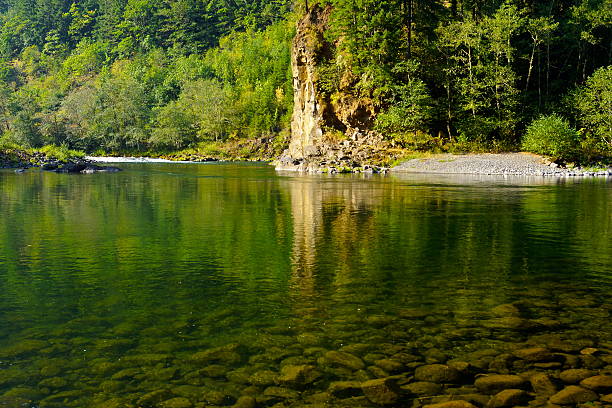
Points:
x=179, y=285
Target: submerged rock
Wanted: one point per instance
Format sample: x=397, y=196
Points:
x=245, y=402
x=510, y=322
x=84, y=167
x=535, y=354
x=227, y=355
x=437, y=373
x=112, y=403
x=90, y=169
x=53, y=382
x=573, y=394
x=492, y=384
x=390, y=365
x=575, y=375
x=508, y=398
x=188, y=391
x=153, y=398
x=263, y=378
x=345, y=389
x=218, y=398
x=178, y=402
x=344, y=359
x=298, y=376
x=50, y=371
x=280, y=392
x=125, y=374
x=22, y=348
x=601, y=383
x=543, y=385
x=382, y=391
x=423, y=388
x=214, y=371
x=507, y=309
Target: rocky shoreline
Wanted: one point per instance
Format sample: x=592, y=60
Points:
x=21, y=160
x=511, y=164
x=506, y=164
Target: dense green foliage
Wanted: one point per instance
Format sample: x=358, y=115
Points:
x=141, y=75
x=136, y=75
x=594, y=104
x=486, y=68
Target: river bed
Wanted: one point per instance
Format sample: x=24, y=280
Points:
x=198, y=285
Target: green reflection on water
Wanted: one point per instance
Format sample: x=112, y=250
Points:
x=142, y=269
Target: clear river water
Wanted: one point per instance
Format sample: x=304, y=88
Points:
x=197, y=285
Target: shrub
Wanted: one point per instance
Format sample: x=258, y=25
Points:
x=594, y=103
x=551, y=136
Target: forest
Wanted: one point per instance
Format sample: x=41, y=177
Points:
x=116, y=76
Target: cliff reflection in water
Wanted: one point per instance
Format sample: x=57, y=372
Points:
x=410, y=235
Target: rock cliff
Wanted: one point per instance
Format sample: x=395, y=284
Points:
x=330, y=131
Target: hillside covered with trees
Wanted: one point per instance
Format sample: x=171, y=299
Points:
x=141, y=75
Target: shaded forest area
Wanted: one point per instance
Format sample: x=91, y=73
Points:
x=139, y=75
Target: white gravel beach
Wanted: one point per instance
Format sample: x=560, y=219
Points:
x=494, y=164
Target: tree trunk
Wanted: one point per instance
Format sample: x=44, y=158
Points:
x=533, y=49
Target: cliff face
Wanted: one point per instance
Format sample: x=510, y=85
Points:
x=307, y=121
x=326, y=132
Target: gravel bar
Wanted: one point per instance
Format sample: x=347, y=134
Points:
x=520, y=164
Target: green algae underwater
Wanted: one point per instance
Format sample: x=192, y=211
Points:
x=187, y=285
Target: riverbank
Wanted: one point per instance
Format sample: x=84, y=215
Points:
x=49, y=158
x=519, y=164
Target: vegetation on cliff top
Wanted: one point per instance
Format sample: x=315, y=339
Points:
x=478, y=72
x=145, y=76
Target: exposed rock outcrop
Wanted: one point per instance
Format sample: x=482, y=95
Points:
x=327, y=133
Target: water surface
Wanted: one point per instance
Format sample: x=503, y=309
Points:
x=144, y=269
